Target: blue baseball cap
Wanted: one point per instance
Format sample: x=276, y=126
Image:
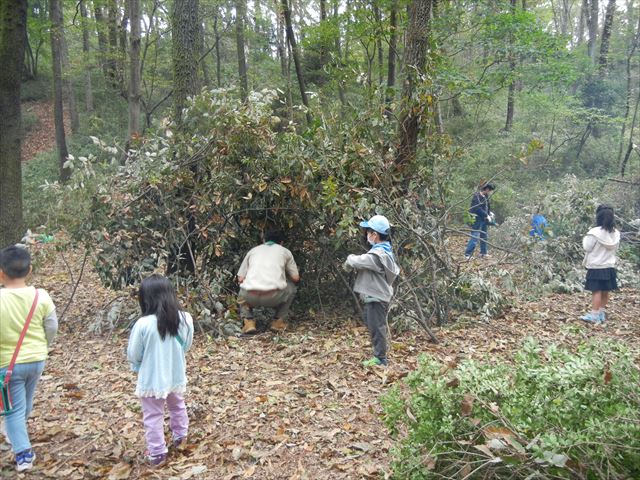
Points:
x=378, y=223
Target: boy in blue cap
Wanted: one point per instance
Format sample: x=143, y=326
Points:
x=377, y=269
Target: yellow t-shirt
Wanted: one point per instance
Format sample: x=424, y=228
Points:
x=15, y=304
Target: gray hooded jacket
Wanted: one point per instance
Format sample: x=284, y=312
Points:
x=376, y=272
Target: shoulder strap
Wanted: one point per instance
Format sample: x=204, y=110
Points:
x=22, y=334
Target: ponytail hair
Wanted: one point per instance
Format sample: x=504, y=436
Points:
x=605, y=217
x=158, y=297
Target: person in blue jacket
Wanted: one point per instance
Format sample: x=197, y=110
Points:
x=480, y=209
x=539, y=226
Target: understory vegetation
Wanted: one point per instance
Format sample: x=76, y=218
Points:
x=550, y=413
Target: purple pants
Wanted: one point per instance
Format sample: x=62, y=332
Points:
x=153, y=418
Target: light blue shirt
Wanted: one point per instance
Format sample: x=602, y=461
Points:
x=160, y=364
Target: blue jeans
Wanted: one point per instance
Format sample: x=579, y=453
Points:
x=22, y=387
x=479, y=233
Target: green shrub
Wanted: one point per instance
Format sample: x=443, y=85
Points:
x=550, y=414
x=29, y=122
x=36, y=89
x=555, y=265
x=206, y=191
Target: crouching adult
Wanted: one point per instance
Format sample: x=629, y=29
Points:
x=267, y=278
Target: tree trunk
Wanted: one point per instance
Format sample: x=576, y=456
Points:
x=122, y=54
x=635, y=41
x=218, y=60
x=69, y=85
x=202, y=55
x=592, y=25
x=29, y=59
x=281, y=45
x=296, y=58
x=58, y=112
x=625, y=160
x=13, y=31
x=606, y=37
x=391, y=62
x=241, y=8
x=101, y=27
x=341, y=88
x=112, y=56
x=88, y=64
x=324, y=47
x=584, y=14
x=379, y=34
x=412, y=110
x=185, y=47
x=134, y=70
x=512, y=85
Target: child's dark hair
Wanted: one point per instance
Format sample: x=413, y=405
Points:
x=384, y=237
x=273, y=235
x=15, y=262
x=605, y=217
x=158, y=297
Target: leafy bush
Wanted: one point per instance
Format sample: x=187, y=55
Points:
x=192, y=201
x=36, y=90
x=555, y=264
x=550, y=414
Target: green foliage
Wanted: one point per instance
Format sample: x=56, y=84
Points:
x=551, y=414
x=29, y=122
x=193, y=201
x=36, y=90
x=555, y=264
x=65, y=206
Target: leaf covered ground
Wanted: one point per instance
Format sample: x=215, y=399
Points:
x=297, y=405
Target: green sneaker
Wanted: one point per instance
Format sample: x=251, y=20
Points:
x=373, y=362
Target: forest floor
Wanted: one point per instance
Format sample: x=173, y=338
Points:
x=41, y=136
x=293, y=406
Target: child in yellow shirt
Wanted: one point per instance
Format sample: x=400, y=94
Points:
x=16, y=299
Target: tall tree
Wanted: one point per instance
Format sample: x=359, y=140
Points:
x=13, y=32
x=606, y=36
x=592, y=26
x=391, y=62
x=512, y=84
x=134, y=70
x=415, y=59
x=86, y=47
x=241, y=9
x=69, y=85
x=584, y=14
x=58, y=109
x=113, y=68
x=296, y=57
x=634, y=42
x=185, y=31
x=101, y=27
x=217, y=47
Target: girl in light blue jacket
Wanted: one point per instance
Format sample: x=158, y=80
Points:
x=156, y=351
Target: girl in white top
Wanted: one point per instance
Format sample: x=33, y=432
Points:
x=600, y=245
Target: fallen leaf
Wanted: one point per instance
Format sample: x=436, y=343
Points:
x=195, y=470
x=120, y=471
x=467, y=405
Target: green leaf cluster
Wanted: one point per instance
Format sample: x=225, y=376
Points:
x=552, y=413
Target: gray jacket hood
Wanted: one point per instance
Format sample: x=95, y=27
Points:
x=391, y=268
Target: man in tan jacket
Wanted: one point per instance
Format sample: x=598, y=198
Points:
x=267, y=278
